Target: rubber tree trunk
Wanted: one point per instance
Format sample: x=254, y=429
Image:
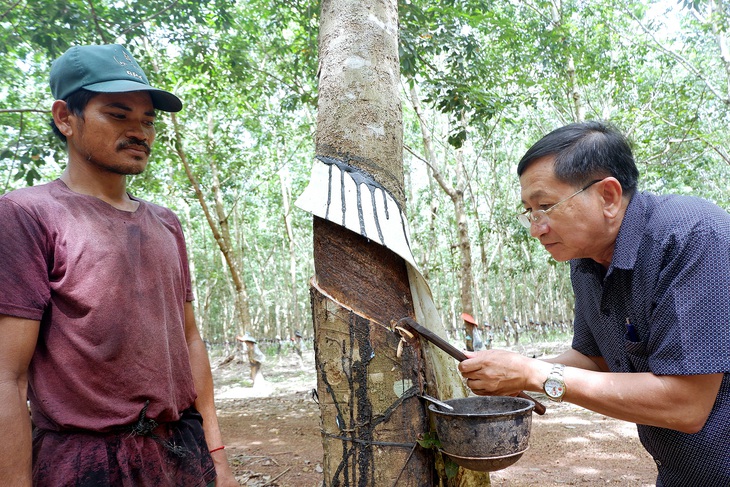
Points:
x=368, y=391
x=371, y=417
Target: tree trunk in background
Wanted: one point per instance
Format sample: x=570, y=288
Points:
x=719, y=28
x=294, y=315
x=465, y=264
x=457, y=198
x=371, y=417
x=218, y=226
x=486, y=178
x=578, y=110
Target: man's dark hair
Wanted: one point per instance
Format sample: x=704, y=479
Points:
x=76, y=103
x=585, y=151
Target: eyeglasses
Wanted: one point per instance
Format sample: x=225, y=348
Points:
x=539, y=217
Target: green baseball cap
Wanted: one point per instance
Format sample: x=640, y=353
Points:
x=105, y=69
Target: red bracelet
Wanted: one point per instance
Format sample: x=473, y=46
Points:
x=216, y=449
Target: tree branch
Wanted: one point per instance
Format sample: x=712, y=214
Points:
x=9, y=9
x=427, y=146
x=156, y=14
x=99, y=30
x=684, y=62
x=23, y=110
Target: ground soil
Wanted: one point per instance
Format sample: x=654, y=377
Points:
x=272, y=435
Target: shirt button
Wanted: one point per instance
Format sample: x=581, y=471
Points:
x=658, y=462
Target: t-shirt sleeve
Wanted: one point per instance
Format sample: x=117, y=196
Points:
x=24, y=281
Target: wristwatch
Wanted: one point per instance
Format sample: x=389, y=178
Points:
x=554, y=385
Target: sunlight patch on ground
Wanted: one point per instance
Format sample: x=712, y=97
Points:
x=241, y=392
x=566, y=420
x=599, y=435
x=625, y=429
x=578, y=439
x=261, y=388
x=233, y=380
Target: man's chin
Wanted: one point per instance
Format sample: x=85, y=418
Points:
x=128, y=171
x=556, y=254
x=133, y=169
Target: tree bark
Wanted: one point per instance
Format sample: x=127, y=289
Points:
x=371, y=417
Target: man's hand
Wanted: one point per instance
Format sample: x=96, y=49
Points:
x=681, y=403
x=502, y=373
x=200, y=366
x=223, y=470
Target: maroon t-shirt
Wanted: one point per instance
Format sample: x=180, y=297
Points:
x=109, y=288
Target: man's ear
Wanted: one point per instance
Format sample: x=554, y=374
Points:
x=611, y=196
x=61, y=117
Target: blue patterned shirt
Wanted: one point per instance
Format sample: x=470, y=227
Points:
x=670, y=277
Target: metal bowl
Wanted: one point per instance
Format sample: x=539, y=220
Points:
x=485, y=464
x=484, y=433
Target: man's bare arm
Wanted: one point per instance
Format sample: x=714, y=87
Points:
x=205, y=404
x=574, y=358
x=682, y=403
x=18, y=339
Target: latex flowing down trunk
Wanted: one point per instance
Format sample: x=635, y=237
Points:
x=365, y=277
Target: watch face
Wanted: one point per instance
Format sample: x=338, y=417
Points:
x=554, y=388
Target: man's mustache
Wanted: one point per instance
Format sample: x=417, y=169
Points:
x=137, y=143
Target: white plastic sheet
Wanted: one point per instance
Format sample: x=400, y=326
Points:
x=349, y=197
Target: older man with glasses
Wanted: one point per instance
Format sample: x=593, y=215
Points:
x=651, y=276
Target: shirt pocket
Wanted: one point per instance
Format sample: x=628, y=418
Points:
x=637, y=356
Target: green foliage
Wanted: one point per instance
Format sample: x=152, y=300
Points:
x=451, y=467
x=429, y=440
x=633, y=65
x=493, y=78
x=447, y=49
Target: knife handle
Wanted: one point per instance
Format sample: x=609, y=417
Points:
x=458, y=354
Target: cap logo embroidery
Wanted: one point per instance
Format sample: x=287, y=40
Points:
x=106, y=69
x=133, y=74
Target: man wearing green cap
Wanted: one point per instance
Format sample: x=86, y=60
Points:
x=97, y=329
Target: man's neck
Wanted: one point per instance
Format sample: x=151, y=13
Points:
x=111, y=189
